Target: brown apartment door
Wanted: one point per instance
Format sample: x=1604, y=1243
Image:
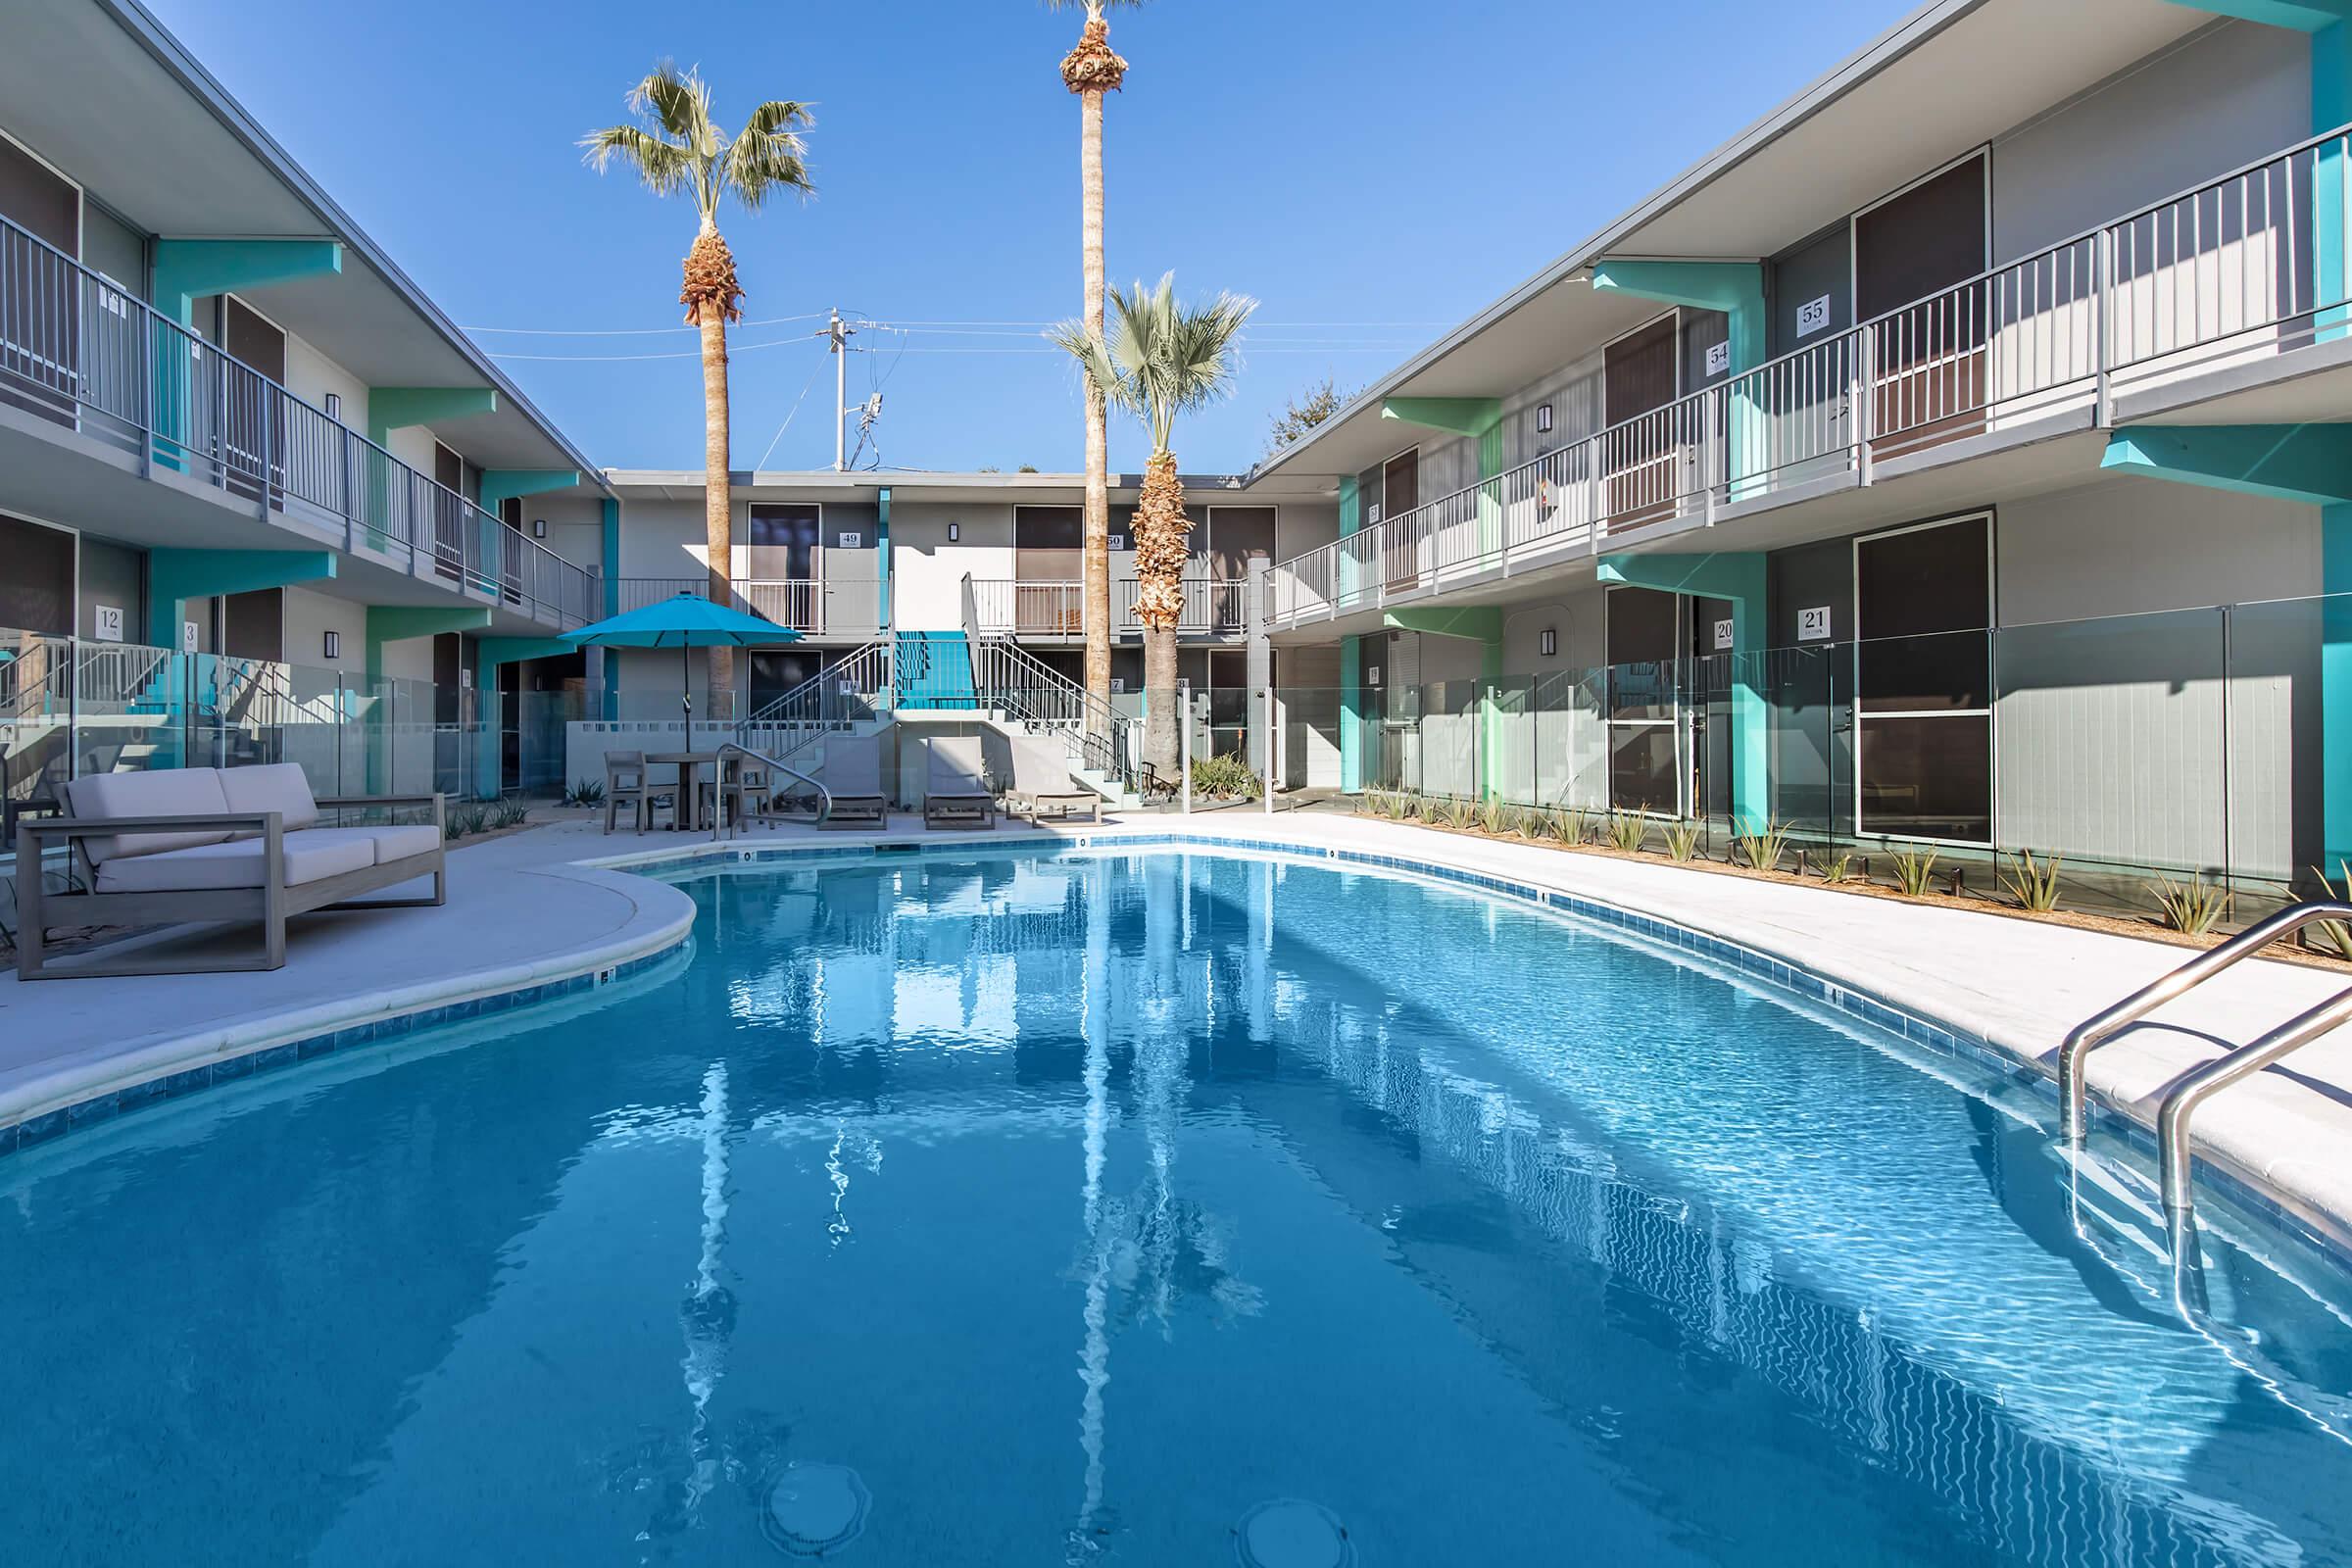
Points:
x=1637, y=377
x=253, y=421
x=1399, y=494
x=1048, y=570
x=449, y=512
x=39, y=291
x=1912, y=251
x=1237, y=536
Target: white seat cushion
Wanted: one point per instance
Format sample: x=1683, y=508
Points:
x=279, y=787
x=237, y=864
x=385, y=843
x=164, y=792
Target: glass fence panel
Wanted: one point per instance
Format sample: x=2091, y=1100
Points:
x=2275, y=736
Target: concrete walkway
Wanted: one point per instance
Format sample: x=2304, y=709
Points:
x=522, y=909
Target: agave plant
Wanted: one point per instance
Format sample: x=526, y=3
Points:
x=1681, y=842
x=1838, y=867
x=1628, y=830
x=2333, y=936
x=1765, y=846
x=2192, y=908
x=1914, y=870
x=2033, y=883
x=1568, y=824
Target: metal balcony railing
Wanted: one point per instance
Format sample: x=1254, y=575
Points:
x=1212, y=606
x=2229, y=274
x=798, y=604
x=80, y=352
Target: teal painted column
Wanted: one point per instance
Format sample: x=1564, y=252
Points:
x=610, y=508
x=175, y=577
x=1740, y=579
x=2331, y=203
x=1351, y=715
x=1736, y=290
x=184, y=271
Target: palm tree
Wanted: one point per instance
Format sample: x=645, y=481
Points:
x=1161, y=359
x=673, y=146
x=1090, y=70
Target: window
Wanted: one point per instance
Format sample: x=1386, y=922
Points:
x=1923, y=703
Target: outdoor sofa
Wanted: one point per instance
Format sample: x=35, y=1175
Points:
x=187, y=844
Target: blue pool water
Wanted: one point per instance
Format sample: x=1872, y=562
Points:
x=1077, y=1210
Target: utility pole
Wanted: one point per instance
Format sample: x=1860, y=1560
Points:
x=839, y=335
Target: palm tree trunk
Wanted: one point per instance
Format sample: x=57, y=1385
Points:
x=1097, y=438
x=1160, y=527
x=718, y=500
x=1090, y=70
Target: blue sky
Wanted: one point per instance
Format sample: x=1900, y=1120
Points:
x=1372, y=172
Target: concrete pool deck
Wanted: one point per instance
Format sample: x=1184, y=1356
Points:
x=531, y=907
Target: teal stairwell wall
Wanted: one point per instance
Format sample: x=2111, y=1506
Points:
x=935, y=672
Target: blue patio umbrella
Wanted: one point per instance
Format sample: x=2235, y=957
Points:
x=685, y=622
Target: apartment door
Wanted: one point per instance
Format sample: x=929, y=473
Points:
x=1928, y=362
x=511, y=550
x=1237, y=536
x=775, y=671
x=1923, y=679
x=1638, y=455
x=1646, y=633
x=1399, y=495
x=1713, y=677
x=778, y=562
x=253, y=421
x=449, y=514
x=39, y=288
x=1048, y=571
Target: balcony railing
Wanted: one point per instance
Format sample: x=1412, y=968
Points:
x=2231, y=274
x=1212, y=606
x=803, y=604
x=79, y=352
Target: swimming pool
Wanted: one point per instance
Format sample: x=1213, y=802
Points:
x=1142, y=1207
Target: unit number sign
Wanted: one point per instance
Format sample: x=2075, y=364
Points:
x=1812, y=316
x=108, y=626
x=851, y=541
x=1723, y=636
x=1813, y=625
x=1719, y=358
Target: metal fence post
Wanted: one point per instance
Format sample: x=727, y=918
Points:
x=2102, y=311
x=1273, y=745
x=1184, y=741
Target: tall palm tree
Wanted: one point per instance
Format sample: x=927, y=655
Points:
x=675, y=147
x=1090, y=70
x=1160, y=360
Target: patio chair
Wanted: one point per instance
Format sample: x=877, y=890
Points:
x=188, y=844
x=1041, y=782
x=852, y=773
x=956, y=789
x=624, y=780
x=748, y=791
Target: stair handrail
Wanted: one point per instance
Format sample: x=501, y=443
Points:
x=821, y=690
x=2172, y=1119
x=1105, y=746
x=2096, y=1030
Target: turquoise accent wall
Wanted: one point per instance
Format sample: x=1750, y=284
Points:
x=175, y=577
x=2303, y=463
x=399, y=407
x=1735, y=288
x=1352, y=517
x=187, y=270
x=507, y=484
x=1740, y=579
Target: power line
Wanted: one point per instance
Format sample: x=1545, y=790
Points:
x=682, y=354
x=630, y=331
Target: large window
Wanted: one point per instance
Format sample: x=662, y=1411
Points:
x=1923, y=703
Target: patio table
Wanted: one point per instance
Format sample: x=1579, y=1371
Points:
x=688, y=815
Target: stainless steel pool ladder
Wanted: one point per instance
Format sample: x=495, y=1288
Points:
x=719, y=815
x=2171, y=1119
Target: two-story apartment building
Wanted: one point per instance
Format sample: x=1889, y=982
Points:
x=235, y=437
x=845, y=559
x=1960, y=454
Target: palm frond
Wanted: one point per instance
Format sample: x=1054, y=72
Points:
x=1170, y=358
x=1094, y=362
x=769, y=156
x=681, y=103
x=663, y=166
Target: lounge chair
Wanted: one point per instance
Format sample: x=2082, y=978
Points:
x=186, y=844
x=1041, y=782
x=852, y=774
x=956, y=789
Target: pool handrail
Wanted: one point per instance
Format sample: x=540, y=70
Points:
x=718, y=816
x=2096, y=1030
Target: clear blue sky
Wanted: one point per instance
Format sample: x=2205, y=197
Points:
x=1385, y=165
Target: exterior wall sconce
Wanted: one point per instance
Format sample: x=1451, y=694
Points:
x=1543, y=420
x=334, y=644
x=334, y=406
x=954, y=532
x=1549, y=642
x=538, y=527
